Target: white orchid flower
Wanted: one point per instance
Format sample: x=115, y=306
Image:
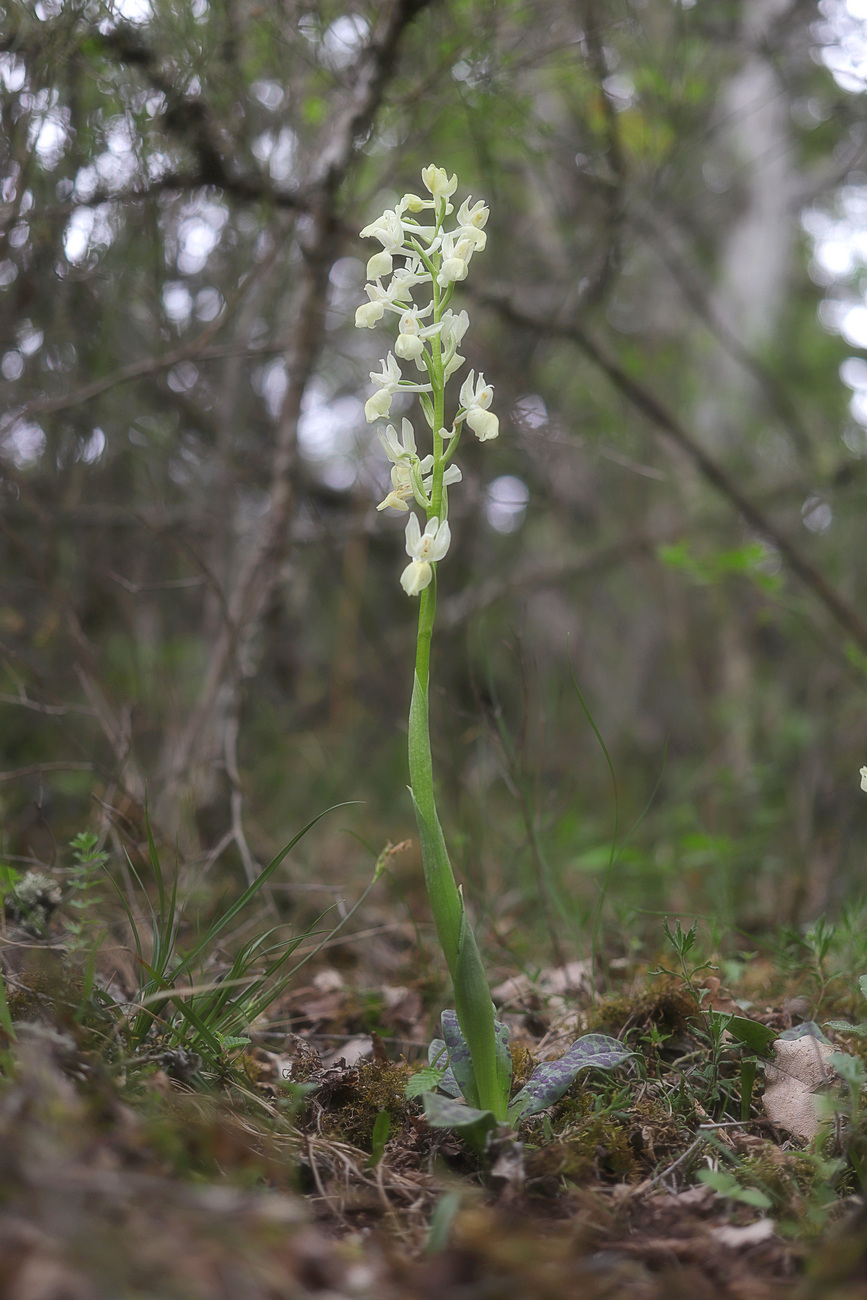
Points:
x=436, y=180
x=457, y=251
x=367, y=315
x=407, y=482
x=454, y=327
x=389, y=376
x=398, y=451
x=476, y=216
x=410, y=342
x=377, y=406
x=473, y=237
x=864, y=778
x=388, y=229
x=394, y=298
x=424, y=549
x=476, y=397
x=412, y=203
x=386, y=380
x=404, y=280
x=401, y=488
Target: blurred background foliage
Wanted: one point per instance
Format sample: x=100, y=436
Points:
x=199, y=603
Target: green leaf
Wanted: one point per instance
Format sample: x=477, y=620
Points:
x=749, y=1032
x=843, y=1027
x=459, y=1058
x=476, y=1016
x=5, y=1015
x=504, y=1061
x=378, y=1138
x=809, y=1029
x=472, y=1123
x=425, y=1080
x=437, y=1054
x=442, y=892
x=725, y=1184
x=550, y=1080
x=441, y=1222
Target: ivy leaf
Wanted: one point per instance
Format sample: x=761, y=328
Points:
x=550, y=1080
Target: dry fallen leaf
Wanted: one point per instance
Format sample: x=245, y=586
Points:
x=739, y=1236
x=801, y=1069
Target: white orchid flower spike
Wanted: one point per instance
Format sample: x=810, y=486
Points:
x=422, y=249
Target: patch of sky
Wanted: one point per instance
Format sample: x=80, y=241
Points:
x=530, y=411
x=209, y=304
x=817, y=514
x=270, y=382
x=342, y=41
x=91, y=448
x=270, y=94
x=135, y=12
x=183, y=377
x=22, y=441
x=197, y=235
x=327, y=435
x=87, y=230
x=12, y=365
x=473, y=73
x=842, y=42
x=278, y=150
x=838, y=229
x=346, y=278
x=506, y=501
x=13, y=72
x=177, y=301
x=620, y=89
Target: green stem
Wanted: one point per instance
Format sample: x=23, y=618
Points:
x=472, y=994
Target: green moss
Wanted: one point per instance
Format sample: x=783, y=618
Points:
x=592, y=1147
x=350, y=1104
x=665, y=1004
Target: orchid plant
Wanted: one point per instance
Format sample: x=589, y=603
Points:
x=420, y=253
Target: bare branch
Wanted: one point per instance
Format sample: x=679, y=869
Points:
x=670, y=427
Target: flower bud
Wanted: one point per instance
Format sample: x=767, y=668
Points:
x=436, y=180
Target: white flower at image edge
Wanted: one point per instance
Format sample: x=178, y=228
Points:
x=864, y=778
x=424, y=549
